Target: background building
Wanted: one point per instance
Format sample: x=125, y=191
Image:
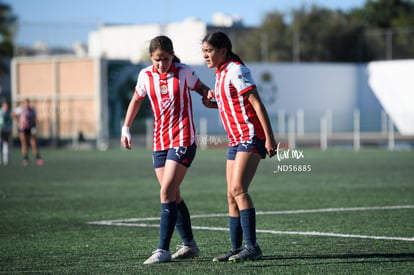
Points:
x=87, y=96
x=130, y=42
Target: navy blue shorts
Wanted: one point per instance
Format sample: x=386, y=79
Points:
x=28, y=131
x=254, y=145
x=183, y=155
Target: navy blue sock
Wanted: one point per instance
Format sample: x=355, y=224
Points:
x=248, y=224
x=167, y=224
x=183, y=224
x=236, y=232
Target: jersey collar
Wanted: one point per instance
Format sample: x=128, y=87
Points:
x=164, y=75
x=222, y=67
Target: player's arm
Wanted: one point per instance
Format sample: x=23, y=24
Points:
x=261, y=112
x=203, y=90
x=131, y=113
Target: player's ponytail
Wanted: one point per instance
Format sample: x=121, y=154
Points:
x=235, y=57
x=163, y=43
x=220, y=40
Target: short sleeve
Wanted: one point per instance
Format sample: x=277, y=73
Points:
x=190, y=76
x=242, y=79
x=140, y=88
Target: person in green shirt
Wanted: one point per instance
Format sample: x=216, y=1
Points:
x=5, y=133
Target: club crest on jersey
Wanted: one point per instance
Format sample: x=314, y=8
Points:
x=164, y=89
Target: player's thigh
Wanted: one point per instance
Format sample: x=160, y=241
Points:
x=159, y=172
x=244, y=169
x=229, y=173
x=173, y=175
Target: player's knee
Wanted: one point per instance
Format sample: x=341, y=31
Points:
x=229, y=195
x=167, y=194
x=230, y=198
x=237, y=191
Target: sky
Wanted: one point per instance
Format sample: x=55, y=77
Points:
x=63, y=22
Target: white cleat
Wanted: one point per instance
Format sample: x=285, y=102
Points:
x=187, y=251
x=159, y=256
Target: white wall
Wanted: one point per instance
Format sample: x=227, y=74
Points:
x=130, y=42
x=313, y=87
x=393, y=84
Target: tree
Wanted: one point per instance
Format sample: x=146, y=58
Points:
x=276, y=38
x=386, y=13
x=8, y=26
x=317, y=34
x=389, y=27
x=313, y=34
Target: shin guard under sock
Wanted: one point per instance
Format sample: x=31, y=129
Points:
x=167, y=224
x=236, y=232
x=183, y=224
x=248, y=224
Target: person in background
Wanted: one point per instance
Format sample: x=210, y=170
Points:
x=250, y=137
x=5, y=132
x=25, y=116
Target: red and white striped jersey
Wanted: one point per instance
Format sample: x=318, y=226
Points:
x=239, y=118
x=27, y=117
x=170, y=99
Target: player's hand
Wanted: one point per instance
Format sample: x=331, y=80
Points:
x=211, y=95
x=126, y=137
x=209, y=100
x=271, y=147
x=209, y=103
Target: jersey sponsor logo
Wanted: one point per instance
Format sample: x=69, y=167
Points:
x=165, y=103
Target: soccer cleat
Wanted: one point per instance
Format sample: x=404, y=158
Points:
x=225, y=257
x=39, y=161
x=247, y=254
x=159, y=256
x=25, y=162
x=186, y=251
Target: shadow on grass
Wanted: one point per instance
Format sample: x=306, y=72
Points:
x=309, y=259
x=338, y=258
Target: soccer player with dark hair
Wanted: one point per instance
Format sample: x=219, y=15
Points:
x=167, y=83
x=248, y=127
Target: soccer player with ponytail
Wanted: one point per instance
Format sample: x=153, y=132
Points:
x=248, y=127
x=167, y=83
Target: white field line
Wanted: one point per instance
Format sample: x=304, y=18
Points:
x=306, y=211
x=130, y=222
x=327, y=234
